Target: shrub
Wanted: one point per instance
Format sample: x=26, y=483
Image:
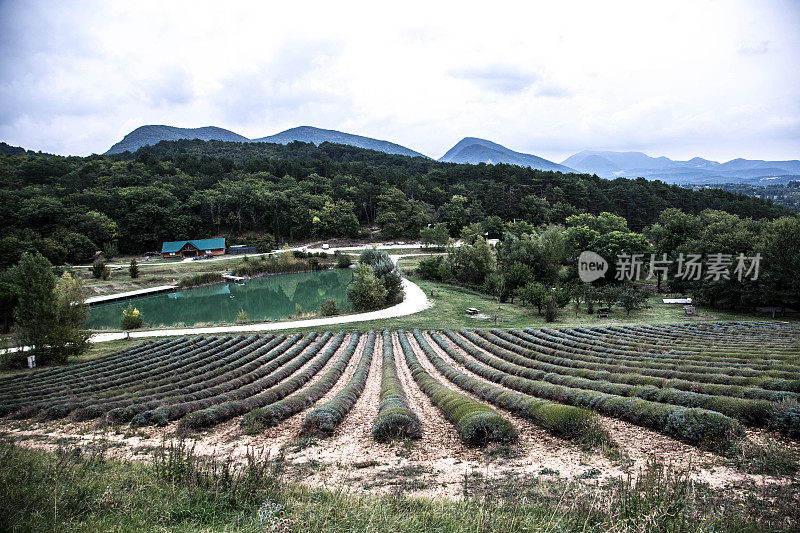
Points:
x=430, y=268
x=100, y=270
x=322, y=420
x=476, y=423
x=395, y=418
x=133, y=270
x=550, y=309
x=328, y=308
x=131, y=318
x=242, y=316
x=342, y=260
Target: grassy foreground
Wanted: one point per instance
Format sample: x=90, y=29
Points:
x=81, y=490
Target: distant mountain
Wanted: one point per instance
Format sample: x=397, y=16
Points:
x=145, y=135
x=7, y=149
x=694, y=171
x=150, y=135
x=310, y=134
x=473, y=150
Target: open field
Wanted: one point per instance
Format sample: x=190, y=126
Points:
x=440, y=412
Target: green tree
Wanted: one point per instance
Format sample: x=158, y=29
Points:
x=386, y=272
x=35, y=312
x=131, y=318
x=429, y=268
x=435, y=235
x=631, y=298
x=100, y=270
x=67, y=336
x=471, y=264
x=133, y=270
x=366, y=292
x=533, y=293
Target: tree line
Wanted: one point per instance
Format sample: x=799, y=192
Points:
x=538, y=265
x=67, y=208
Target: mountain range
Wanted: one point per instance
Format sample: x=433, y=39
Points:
x=694, y=171
x=606, y=164
x=473, y=150
x=145, y=135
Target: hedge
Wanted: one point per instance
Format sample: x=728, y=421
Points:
x=264, y=417
x=706, y=427
x=476, y=423
x=323, y=419
x=572, y=423
x=395, y=419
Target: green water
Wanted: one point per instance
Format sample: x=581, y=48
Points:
x=269, y=298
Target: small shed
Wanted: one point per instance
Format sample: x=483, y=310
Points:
x=193, y=248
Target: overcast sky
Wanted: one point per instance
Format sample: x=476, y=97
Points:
x=717, y=79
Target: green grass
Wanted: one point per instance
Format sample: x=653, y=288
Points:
x=152, y=275
x=451, y=302
x=77, y=489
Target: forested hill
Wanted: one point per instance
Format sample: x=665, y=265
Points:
x=67, y=207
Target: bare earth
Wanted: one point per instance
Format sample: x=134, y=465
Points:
x=435, y=465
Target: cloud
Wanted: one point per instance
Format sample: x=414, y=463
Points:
x=299, y=81
x=553, y=79
x=551, y=90
x=758, y=48
x=498, y=78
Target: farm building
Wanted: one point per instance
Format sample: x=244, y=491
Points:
x=193, y=248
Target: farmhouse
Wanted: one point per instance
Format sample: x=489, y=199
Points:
x=193, y=248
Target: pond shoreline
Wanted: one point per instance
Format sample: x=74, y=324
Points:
x=264, y=297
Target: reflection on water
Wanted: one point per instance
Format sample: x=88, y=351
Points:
x=269, y=298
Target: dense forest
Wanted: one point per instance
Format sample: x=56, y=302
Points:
x=69, y=207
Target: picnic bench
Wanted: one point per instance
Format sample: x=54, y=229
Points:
x=603, y=312
x=689, y=310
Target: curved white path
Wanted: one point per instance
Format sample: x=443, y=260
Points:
x=414, y=301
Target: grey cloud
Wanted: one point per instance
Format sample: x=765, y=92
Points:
x=761, y=47
x=285, y=88
x=167, y=88
x=498, y=78
x=550, y=90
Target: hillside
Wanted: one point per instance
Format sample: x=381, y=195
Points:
x=152, y=135
x=473, y=150
x=310, y=134
x=608, y=164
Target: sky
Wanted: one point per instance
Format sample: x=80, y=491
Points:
x=713, y=78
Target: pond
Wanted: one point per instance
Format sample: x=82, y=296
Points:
x=268, y=298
